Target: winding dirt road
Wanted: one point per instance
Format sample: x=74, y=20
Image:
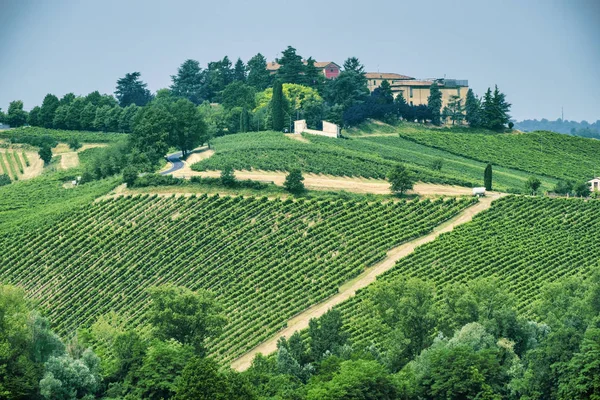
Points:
x=369, y=276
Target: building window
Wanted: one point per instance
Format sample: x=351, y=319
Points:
x=331, y=70
x=458, y=91
x=411, y=103
x=411, y=94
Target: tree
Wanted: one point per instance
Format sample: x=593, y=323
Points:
x=101, y=117
x=33, y=119
x=350, y=87
x=455, y=110
x=313, y=76
x=472, y=110
x=293, y=182
x=49, y=106
x=188, y=129
x=360, y=379
x=218, y=75
x=163, y=363
x=494, y=110
x=258, y=75
x=434, y=103
x=4, y=180
x=151, y=131
x=73, y=120
x=132, y=90
x=277, y=112
x=487, y=177
x=352, y=64
x=70, y=378
x=401, y=179
x=291, y=68
x=15, y=116
x=45, y=154
x=239, y=71
x=60, y=117
x=407, y=307
x=87, y=117
x=532, y=184
x=227, y=176
x=127, y=119
x=186, y=316
x=582, y=189
x=189, y=82
x=401, y=106
x=130, y=174
x=563, y=187
x=238, y=94
x=2, y=116
x=67, y=99
x=326, y=334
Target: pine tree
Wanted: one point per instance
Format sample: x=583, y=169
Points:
x=473, y=110
x=293, y=182
x=401, y=105
x=239, y=71
x=487, y=177
x=501, y=109
x=434, y=103
x=277, y=106
x=258, y=75
x=487, y=114
x=291, y=66
x=189, y=82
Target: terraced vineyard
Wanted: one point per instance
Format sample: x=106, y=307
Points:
x=13, y=163
x=525, y=242
x=548, y=153
x=265, y=260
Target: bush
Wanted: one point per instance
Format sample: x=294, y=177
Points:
x=532, y=184
x=437, y=164
x=228, y=177
x=582, y=189
x=45, y=154
x=157, y=180
x=401, y=179
x=130, y=174
x=74, y=144
x=4, y=180
x=293, y=182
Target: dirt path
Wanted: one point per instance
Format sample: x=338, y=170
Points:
x=36, y=166
x=299, y=138
x=329, y=182
x=69, y=160
x=349, y=289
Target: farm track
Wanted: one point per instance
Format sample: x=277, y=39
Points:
x=349, y=289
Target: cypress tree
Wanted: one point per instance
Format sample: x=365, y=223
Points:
x=487, y=177
x=434, y=103
x=487, y=110
x=277, y=106
x=473, y=110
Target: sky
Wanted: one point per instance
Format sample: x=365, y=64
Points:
x=544, y=54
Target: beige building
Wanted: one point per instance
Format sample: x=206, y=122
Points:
x=594, y=184
x=416, y=91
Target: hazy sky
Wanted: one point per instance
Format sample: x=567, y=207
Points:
x=543, y=54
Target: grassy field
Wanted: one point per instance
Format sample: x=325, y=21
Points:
x=525, y=242
x=265, y=260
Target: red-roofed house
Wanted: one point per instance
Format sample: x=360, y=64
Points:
x=330, y=69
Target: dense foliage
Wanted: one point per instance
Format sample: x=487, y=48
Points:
x=285, y=256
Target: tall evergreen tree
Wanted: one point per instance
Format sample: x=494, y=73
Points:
x=88, y=114
x=67, y=99
x=487, y=177
x=218, y=75
x=455, y=110
x=239, y=71
x=189, y=82
x=401, y=105
x=473, y=110
x=277, y=106
x=132, y=90
x=350, y=87
x=291, y=66
x=488, y=113
x=434, y=103
x=313, y=76
x=258, y=76
x=353, y=64
x=501, y=109
x=49, y=106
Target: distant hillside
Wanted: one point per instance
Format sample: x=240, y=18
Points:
x=583, y=128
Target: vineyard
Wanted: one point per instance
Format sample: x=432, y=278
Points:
x=265, y=260
x=547, y=153
x=452, y=167
x=525, y=242
x=16, y=162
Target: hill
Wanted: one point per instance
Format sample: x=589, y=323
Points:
x=525, y=242
x=265, y=260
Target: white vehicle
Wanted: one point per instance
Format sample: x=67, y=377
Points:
x=479, y=191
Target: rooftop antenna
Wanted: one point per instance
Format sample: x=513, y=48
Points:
x=562, y=113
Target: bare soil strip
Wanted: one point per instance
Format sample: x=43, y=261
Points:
x=69, y=160
x=349, y=289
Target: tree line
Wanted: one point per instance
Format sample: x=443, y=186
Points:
x=244, y=97
x=468, y=342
